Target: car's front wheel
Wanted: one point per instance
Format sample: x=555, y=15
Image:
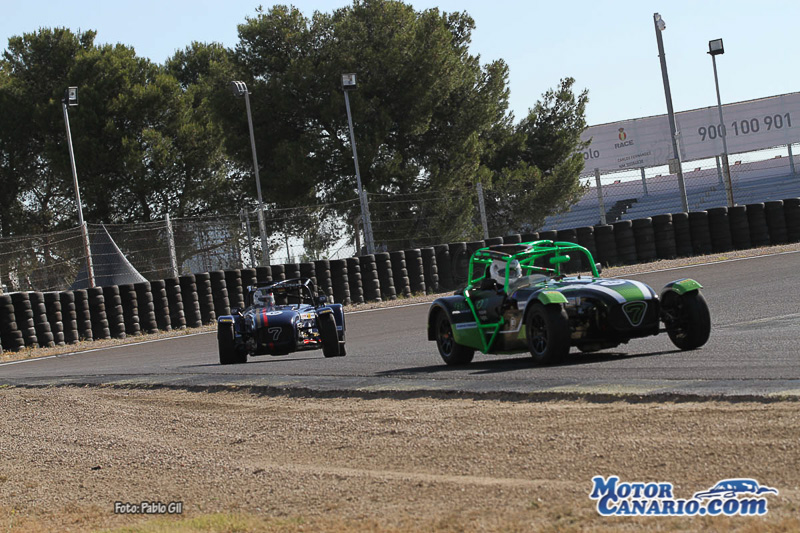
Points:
x=453, y=354
x=548, y=333
x=229, y=353
x=686, y=318
x=331, y=347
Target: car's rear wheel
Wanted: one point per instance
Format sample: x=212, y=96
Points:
x=548, y=333
x=330, y=336
x=229, y=354
x=453, y=354
x=686, y=318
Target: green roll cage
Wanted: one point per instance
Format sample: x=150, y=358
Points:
x=526, y=253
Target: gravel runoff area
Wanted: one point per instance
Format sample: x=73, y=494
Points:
x=248, y=460
x=617, y=271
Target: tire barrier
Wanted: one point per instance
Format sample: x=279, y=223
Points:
x=416, y=270
x=10, y=335
x=55, y=317
x=191, y=306
x=700, y=232
x=645, y=239
x=278, y=272
x=549, y=235
x=625, y=241
x=606, y=244
x=369, y=279
x=307, y=270
x=776, y=222
x=233, y=282
x=340, y=282
x=740, y=227
x=529, y=237
x=402, y=285
x=585, y=237
x=664, y=235
x=383, y=262
x=444, y=266
x=431, y=270
x=493, y=241
x=354, y=280
x=459, y=263
x=147, y=307
x=324, y=277
x=263, y=275
x=97, y=310
x=757, y=220
x=130, y=309
x=292, y=270
x=44, y=335
x=514, y=238
x=175, y=299
x=575, y=261
x=791, y=211
x=161, y=304
x=249, y=279
x=205, y=297
x=219, y=292
x=683, y=234
x=113, y=307
x=69, y=317
x=719, y=228
x=83, y=314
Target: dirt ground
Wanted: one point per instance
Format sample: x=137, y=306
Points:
x=241, y=461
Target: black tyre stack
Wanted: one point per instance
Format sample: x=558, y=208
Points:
x=776, y=222
x=444, y=266
x=191, y=306
x=575, y=260
x=416, y=270
x=664, y=235
x=44, y=335
x=606, y=244
x=97, y=309
x=402, y=285
x=757, y=219
x=683, y=234
x=383, y=262
x=548, y=235
x=514, y=238
x=161, y=305
x=625, y=241
x=113, y=306
x=278, y=272
x=322, y=267
x=147, y=307
x=130, y=309
x=69, y=317
x=233, y=282
x=292, y=270
x=431, y=270
x=175, y=298
x=585, y=237
x=354, y=280
x=701, y=234
x=55, y=317
x=740, y=227
x=530, y=237
x=307, y=270
x=205, y=297
x=791, y=210
x=340, y=283
x=719, y=227
x=263, y=275
x=493, y=241
x=459, y=263
x=219, y=292
x=645, y=239
x=369, y=279
x=249, y=279
x=10, y=334
x=83, y=314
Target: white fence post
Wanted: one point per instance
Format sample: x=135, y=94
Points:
x=600, y=204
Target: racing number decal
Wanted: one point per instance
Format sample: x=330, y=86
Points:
x=612, y=282
x=275, y=332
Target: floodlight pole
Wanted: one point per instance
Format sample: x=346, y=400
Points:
x=714, y=49
x=240, y=89
x=71, y=99
x=348, y=84
x=660, y=26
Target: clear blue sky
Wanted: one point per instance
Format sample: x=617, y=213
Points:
x=608, y=47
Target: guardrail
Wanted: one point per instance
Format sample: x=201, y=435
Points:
x=36, y=319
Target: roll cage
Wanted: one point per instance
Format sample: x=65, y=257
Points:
x=293, y=291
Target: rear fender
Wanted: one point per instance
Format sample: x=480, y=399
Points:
x=456, y=309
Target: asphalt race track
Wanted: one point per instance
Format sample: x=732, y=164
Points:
x=753, y=351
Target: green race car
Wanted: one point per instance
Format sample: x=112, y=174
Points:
x=518, y=298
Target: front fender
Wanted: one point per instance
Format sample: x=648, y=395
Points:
x=455, y=307
x=681, y=286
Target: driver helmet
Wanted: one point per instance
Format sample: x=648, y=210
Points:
x=498, y=270
x=268, y=299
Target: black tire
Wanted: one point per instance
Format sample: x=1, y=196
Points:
x=548, y=333
x=229, y=354
x=453, y=354
x=686, y=318
x=330, y=337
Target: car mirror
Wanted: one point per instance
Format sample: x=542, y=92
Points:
x=322, y=299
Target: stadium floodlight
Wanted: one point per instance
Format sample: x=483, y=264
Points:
x=349, y=84
x=71, y=99
x=715, y=48
x=239, y=89
x=660, y=26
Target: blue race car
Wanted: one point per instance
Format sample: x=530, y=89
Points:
x=281, y=317
x=730, y=488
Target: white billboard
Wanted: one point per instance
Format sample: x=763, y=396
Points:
x=645, y=142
